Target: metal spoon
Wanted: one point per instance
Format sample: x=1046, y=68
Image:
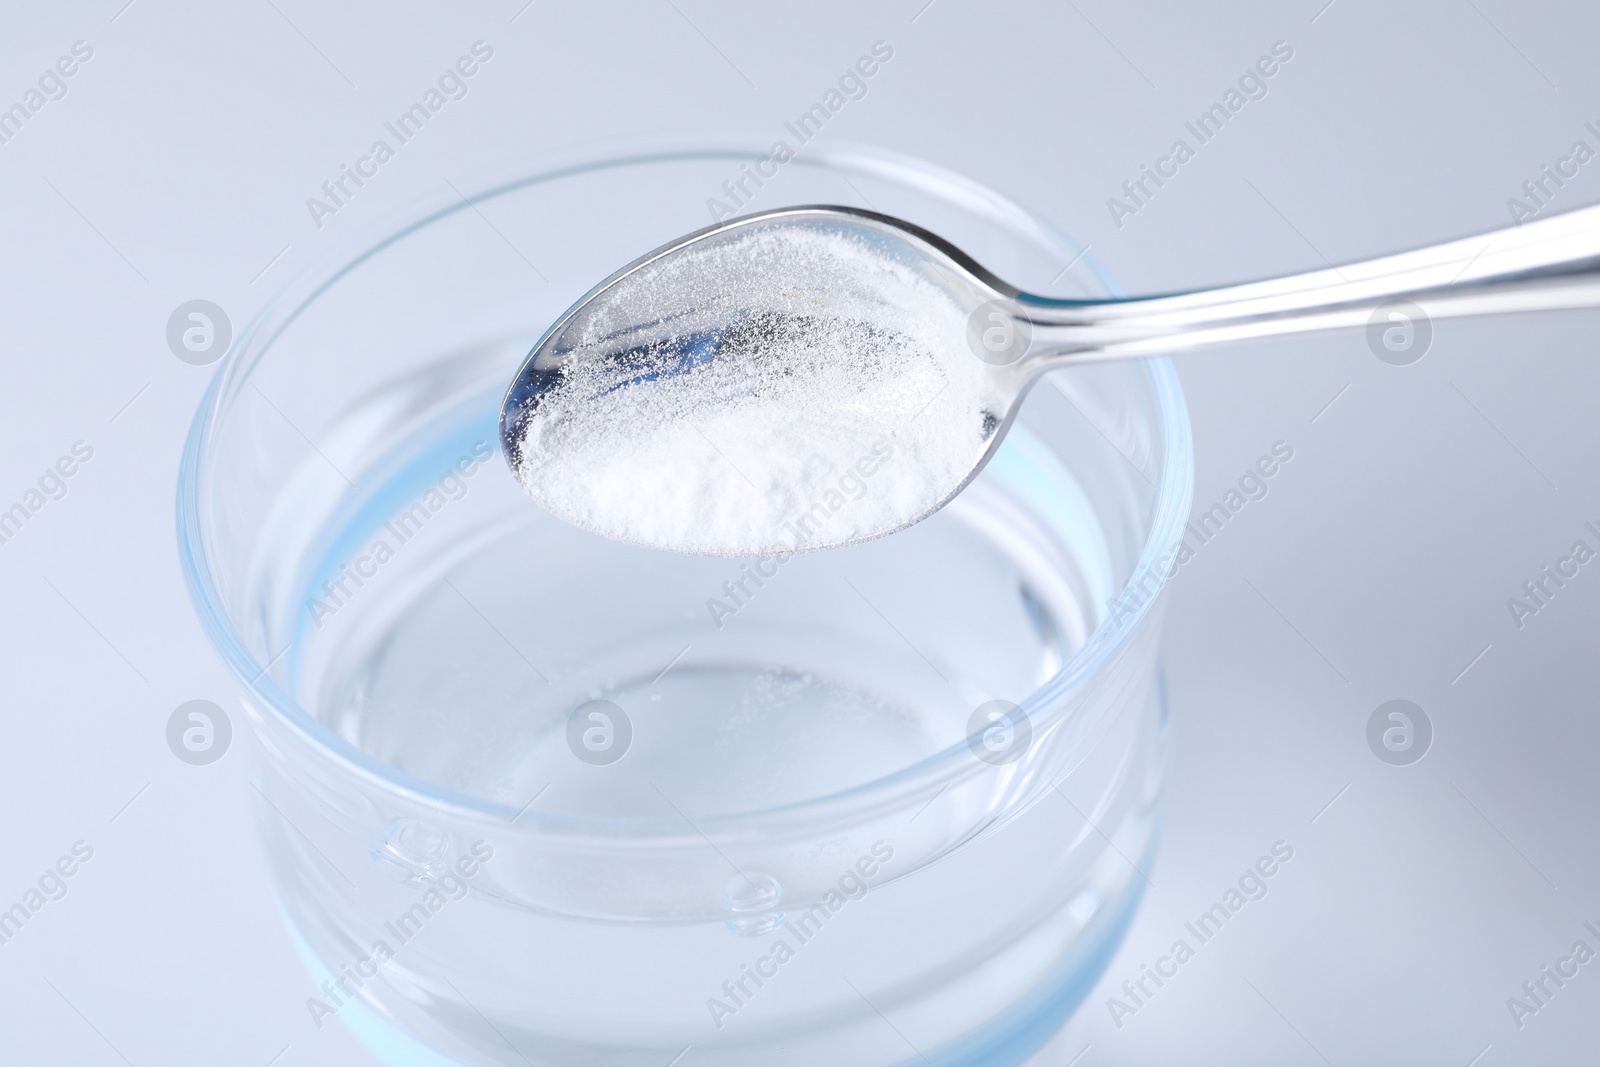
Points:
x=668, y=321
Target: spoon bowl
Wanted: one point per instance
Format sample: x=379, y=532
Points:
x=713, y=395
x=812, y=377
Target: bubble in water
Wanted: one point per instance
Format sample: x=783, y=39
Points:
x=751, y=897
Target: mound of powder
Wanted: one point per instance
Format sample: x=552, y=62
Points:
x=781, y=387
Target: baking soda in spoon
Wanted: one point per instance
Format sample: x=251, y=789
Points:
x=758, y=394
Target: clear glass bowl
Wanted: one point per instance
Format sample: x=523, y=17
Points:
x=792, y=831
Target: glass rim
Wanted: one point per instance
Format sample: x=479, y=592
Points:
x=1105, y=644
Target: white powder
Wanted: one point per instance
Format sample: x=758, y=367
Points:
x=785, y=386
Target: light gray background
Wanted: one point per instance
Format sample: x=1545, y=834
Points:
x=178, y=166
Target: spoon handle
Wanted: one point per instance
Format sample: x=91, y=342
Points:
x=1546, y=265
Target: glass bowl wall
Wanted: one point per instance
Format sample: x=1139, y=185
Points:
x=808, y=762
